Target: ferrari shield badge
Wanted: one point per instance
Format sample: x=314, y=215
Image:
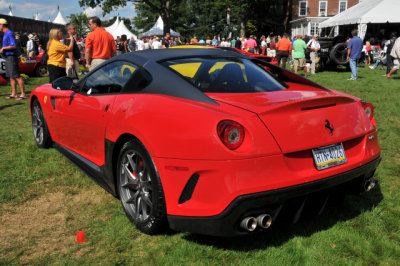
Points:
x=45, y=99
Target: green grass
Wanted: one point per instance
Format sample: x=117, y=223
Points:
x=45, y=200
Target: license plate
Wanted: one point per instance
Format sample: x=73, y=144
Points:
x=329, y=156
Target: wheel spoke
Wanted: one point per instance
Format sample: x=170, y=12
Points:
x=131, y=176
x=145, y=214
x=146, y=200
x=132, y=200
x=130, y=160
x=138, y=207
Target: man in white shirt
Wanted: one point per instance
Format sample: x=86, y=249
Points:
x=140, y=45
x=29, y=46
x=156, y=44
x=314, y=45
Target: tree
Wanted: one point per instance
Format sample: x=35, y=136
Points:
x=161, y=7
x=81, y=22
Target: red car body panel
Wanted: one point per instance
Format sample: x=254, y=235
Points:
x=281, y=129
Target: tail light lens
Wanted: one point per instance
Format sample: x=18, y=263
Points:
x=368, y=108
x=231, y=133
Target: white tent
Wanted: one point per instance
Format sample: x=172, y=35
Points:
x=158, y=30
x=118, y=28
x=113, y=27
x=60, y=19
x=367, y=11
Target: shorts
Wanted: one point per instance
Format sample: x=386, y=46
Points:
x=12, y=69
x=95, y=62
x=300, y=62
x=396, y=63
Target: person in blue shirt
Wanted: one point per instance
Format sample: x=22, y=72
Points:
x=354, y=49
x=10, y=53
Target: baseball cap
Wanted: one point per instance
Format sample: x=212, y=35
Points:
x=3, y=21
x=316, y=35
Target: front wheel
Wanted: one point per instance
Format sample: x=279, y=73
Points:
x=39, y=126
x=140, y=188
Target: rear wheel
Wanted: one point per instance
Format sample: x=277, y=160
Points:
x=338, y=53
x=42, y=71
x=40, y=131
x=140, y=188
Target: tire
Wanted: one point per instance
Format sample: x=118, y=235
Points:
x=140, y=189
x=41, y=70
x=338, y=53
x=39, y=127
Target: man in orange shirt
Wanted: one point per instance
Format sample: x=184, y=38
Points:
x=284, y=48
x=100, y=44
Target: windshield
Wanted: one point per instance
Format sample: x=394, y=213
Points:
x=231, y=75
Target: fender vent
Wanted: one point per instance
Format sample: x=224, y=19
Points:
x=189, y=188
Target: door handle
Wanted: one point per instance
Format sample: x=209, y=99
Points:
x=106, y=108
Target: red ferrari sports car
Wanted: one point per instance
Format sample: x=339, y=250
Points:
x=208, y=141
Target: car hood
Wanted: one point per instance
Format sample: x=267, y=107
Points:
x=305, y=117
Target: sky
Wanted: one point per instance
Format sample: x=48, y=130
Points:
x=48, y=9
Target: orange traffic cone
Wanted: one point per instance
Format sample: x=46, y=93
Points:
x=80, y=237
x=3, y=81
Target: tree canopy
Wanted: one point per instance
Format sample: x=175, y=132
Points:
x=207, y=17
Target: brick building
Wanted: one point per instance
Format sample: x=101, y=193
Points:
x=307, y=14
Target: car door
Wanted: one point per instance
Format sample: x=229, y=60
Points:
x=82, y=117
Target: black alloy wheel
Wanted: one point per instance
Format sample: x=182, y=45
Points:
x=40, y=131
x=140, y=189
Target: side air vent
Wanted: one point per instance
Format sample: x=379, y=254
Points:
x=189, y=188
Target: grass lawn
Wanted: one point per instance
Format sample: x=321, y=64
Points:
x=45, y=200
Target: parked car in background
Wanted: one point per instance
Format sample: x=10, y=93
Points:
x=27, y=65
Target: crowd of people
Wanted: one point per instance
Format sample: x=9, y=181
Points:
x=62, y=54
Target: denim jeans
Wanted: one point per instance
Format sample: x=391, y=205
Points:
x=354, y=68
x=380, y=62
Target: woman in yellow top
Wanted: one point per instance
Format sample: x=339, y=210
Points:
x=56, y=52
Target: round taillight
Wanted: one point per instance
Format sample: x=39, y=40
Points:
x=231, y=133
x=368, y=108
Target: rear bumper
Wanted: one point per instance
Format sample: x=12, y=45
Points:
x=227, y=222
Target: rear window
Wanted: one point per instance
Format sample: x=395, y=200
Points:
x=231, y=75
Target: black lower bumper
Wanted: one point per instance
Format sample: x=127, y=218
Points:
x=227, y=222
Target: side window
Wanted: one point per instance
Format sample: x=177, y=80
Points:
x=111, y=78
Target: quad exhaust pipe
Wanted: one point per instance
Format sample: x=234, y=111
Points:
x=250, y=223
x=369, y=184
x=264, y=221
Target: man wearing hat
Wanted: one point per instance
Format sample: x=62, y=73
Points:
x=314, y=45
x=9, y=51
x=29, y=46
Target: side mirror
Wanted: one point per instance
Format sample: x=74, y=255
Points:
x=63, y=83
x=75, y=85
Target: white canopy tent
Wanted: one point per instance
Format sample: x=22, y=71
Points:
x=367, y=11
x=60, y=19
x=118, y=28
x=158, y=30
